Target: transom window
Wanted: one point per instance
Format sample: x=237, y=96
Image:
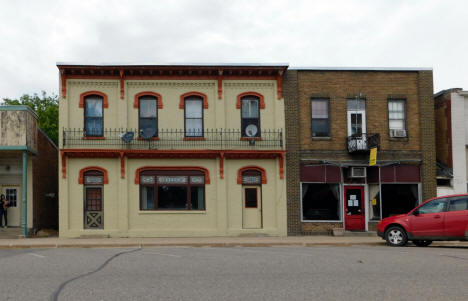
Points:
x=148, y=113
x=172, y=190
x=93, y=116
x=194, y=116
x=320, y=118
x=251, y=177
x=396, y=114
x=250, y=115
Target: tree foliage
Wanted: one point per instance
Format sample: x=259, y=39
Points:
x=46, y=107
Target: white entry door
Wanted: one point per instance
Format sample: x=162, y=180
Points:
x=252, y=207
x=12, y=194
x=357, y=128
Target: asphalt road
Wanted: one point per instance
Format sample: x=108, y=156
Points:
x=270, y=273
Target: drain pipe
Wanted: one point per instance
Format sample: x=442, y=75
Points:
x=25, y=195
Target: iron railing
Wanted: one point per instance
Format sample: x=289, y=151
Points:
x=363, y=142
x=174, y=139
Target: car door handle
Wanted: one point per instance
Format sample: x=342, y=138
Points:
x=437, y=216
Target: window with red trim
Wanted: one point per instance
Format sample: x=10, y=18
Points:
x=148, y=116
x=193, y=116
x=93, y=116
x=250, y=116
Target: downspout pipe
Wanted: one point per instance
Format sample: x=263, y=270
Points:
x=24, y=194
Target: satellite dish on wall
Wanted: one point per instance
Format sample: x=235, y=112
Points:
x=147, y=133
x=127, y=137
x=251, y=130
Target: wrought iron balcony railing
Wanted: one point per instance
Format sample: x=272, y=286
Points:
x=167, y=139
x=363, y=142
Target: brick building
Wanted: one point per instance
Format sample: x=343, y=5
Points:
x=451, y=129
x=28, y=171
x=334, y=116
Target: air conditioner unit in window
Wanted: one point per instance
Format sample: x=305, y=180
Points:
x=357, y=172
x=397, y=133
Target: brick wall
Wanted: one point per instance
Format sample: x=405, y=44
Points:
x=376, y=87
x=292, y=155
x=45, y=181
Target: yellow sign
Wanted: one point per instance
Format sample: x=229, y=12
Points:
x=374, y=202
x=373, y=156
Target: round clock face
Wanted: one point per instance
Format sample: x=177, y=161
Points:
x=251, y=130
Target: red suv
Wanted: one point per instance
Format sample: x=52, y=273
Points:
x=441, y=218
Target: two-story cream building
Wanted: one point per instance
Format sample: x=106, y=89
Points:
x=171, y=150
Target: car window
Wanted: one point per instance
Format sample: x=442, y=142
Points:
x=434, y=206
x=458, y=203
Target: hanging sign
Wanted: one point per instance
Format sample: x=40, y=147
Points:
x=373, y=156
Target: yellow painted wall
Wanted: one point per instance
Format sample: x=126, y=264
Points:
x=223, y=201
x=122, y=217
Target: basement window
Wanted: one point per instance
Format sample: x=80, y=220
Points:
x=321, y=202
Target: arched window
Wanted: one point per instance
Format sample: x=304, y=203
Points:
x=148, y=116
x=251, y=175
x=250, y=116
x=193, y=116
x=93, y=116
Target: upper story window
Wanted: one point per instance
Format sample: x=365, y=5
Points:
x=94, y=121
x=148, y=116
x=320, y=118
x=250, y=116
x=397, y=117
x=356, y=110
x=193, y=116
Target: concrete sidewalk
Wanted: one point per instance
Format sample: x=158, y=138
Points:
x=307, y=241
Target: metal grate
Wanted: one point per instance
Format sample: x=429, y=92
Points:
x=174, y=139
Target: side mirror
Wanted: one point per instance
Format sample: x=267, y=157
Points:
x=416, y=212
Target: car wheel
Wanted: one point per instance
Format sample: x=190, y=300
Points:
x=396, y=236
x=422, y=243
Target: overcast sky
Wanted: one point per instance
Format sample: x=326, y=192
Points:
x=34, y=35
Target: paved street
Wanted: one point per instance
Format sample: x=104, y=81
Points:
x=265, y=273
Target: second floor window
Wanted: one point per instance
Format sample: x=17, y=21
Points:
x=250, y=115
x=193, y=117
x=93, y=116
x=148, y=113
x=320, y=118
x=397, y=118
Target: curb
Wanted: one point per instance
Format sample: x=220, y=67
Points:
x=192, y=245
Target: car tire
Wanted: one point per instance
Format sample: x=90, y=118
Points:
x=422, y=243
x=396, y=236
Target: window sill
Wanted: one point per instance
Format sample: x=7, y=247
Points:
x=153, y=138
x=249, y=139
x=94, y=138
x=399, y=139
x=321, y=138
x=194, y=139
x=172, y=212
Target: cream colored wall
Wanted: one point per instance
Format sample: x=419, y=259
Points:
x=122, y=216
x=221, y=113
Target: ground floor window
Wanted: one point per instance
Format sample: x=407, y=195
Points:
x=321, y=201
x=399, y=198
x=374, y=202
x=172, y=190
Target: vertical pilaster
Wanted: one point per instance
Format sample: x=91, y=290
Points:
x=427, y=126
x=24, y=215
x=291, y=103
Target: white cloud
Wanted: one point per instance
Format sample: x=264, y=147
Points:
x=34, y=35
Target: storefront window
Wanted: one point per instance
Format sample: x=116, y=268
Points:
x=172, y=190
x=399, y=198
x=374, y=202
x=321, y=202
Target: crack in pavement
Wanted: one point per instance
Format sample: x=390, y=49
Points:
x=55, y=295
